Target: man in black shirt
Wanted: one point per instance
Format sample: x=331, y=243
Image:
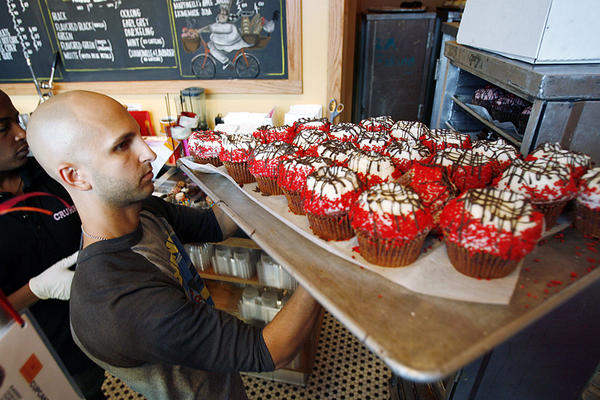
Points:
x=138, y=306
x=35, y=247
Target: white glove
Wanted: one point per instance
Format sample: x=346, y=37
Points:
x=55, y=281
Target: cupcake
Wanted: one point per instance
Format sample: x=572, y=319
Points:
x=485, y=96
x=391, y=224
x=292, y=178
x=405, y=154
x=488, y=231
x=373, y=168
x=263, y=163
x=268, y=134
x=507, y=107
x=375, y=141
x=338, y=152
x=433, y=186
x=466, y=169
x=308, y=140
x=345, y=132
x=578, y=163
x=499, y=150
x=587, y=204
x=321, y=124
x=408, y=130
x=439, y=139
x=234, y=155
x=205, y=147
x=327, y=197
x=547, y=184
x=523, y=119
x=376, y=124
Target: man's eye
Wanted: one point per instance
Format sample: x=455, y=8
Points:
x=4, y=127
x=122, y=146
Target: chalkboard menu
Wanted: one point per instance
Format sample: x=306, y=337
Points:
x=133, y=40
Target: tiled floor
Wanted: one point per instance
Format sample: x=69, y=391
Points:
x=344, y=369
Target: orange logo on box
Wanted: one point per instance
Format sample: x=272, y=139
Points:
x=31, y=368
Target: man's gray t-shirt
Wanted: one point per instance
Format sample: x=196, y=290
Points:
x=140, y=310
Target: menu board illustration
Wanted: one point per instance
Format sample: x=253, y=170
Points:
x=116, y=40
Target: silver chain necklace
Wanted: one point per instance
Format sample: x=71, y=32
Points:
x=92, y=236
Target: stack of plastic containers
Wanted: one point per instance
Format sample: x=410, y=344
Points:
x=261, y=304
x=201, y=255
x=236, y=261
x=273, y=275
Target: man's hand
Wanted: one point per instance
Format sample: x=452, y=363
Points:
x=55, y=282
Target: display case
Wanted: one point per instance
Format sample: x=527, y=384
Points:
x=565, y=98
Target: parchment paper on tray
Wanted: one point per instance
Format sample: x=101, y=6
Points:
x=432, y=274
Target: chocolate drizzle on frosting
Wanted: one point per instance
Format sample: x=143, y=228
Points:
x=337, y=179
x=268, y=151
x=407, y=130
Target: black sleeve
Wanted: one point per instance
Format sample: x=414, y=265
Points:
x=190, y=224
x=147, y=318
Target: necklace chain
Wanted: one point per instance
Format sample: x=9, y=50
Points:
x=92, y=236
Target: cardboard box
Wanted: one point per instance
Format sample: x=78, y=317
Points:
x=534, y=31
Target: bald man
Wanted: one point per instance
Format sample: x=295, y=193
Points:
x=36, y=249
x=138, y=307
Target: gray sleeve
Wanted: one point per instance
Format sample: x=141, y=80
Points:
x=137, y=315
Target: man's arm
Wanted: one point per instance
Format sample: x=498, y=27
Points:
x=291, y=327
x=22, y=298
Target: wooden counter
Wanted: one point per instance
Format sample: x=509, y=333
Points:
x=421, y=338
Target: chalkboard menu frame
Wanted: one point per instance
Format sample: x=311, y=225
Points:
x=291, y=85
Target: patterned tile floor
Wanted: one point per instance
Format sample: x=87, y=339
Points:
x=344, y=369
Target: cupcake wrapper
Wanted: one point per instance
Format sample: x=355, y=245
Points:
x=479, y=264
x=389, y=252
x=239, y=172
x=212, y=160
x=336, y=227
x=586, y=220
x=268, y=186
x=550, y=210
x=295, y=203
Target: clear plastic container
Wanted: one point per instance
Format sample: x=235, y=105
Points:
x=201, y=255
x=274, y=275
x=222, y=260
x=242, y=264
x=248, y=306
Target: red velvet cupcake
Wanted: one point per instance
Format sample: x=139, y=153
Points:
x=488, y=231
x=375, y=141
x=338, y=152
x=377, y=124
x=408, y=130
x=587, y=204
x=268, y=134
x=309, y=140
x=547, y=184
x=405, y=154
x=578, y=163
x=391, y=224
x=327, y=197
x=502, y=152
x=264, y=161
x=466, y=169
x=321, y=124
x=439, y=139
x=234, y=155
x=373, y=168
x=205, y=147
x=345, y=132
x=292, y=178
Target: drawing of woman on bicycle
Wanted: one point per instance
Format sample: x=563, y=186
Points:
x=225, y=37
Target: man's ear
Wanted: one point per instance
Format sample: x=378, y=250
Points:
x=73, y=177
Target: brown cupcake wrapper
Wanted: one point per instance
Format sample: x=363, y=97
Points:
x=478, y=264
x=239, y=172
x=336, y=227
x=551, y=211
x=212, y=160
x=295, y=203
x=586, y=220
x=267, y=185
x=389, y=252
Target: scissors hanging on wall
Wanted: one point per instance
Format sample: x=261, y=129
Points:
x=334, y=109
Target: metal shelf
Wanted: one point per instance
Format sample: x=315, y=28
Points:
x=461, y=102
